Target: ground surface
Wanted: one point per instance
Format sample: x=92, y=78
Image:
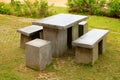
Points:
x=12, y=57
x=62, y=3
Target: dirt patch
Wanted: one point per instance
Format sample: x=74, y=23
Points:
x=62, y=3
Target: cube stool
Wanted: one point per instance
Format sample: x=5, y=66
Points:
x=38, y=54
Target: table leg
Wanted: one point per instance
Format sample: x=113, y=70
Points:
x=58, y=40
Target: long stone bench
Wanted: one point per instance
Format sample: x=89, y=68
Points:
x=90, y=45
x=30, y=33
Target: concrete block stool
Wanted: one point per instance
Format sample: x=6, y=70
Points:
x=83, y=28
x=30, y=33
x=90, y=45
x=38, y=54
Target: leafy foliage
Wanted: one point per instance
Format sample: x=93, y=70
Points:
x=114, y=8
x=96, y=7
x=39, y=8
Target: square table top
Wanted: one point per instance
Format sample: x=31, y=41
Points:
x=60, y=21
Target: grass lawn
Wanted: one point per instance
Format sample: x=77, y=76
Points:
x=12, y=57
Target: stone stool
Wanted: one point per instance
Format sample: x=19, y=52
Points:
x=38, y=54
x=83, y=28
x=30, y=33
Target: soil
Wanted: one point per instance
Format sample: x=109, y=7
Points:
x=62, y=3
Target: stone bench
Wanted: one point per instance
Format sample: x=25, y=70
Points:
x=83, y=28
x=38, y=54
x=30, y=33
x=90, y=45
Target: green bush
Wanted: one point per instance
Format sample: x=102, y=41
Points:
x=5, y=8
x=85, y=6
x=43, y=8
x=39, y=8
x=95, y=7
x=16, y=7
x=114, y=8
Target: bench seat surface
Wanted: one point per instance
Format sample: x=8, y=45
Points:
x=30, y=29
x=90, y=38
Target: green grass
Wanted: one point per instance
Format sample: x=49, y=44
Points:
x=58, y=9
x=12, y=57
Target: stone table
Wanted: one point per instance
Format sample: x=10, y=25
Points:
x=61, y=30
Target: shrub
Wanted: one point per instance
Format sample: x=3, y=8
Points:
x=39, y=8
x=114, y=8
x=5, y=8
x=96, y=7
x=16, y=8
x=84, y=6
x=43, y=8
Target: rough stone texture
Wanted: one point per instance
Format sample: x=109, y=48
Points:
x=38, y=54
x=58, y=40
x=23, y=40
x=86, y=55
x=74, y=32
x=104, y=44
x=55, y=30
x=94, y=53
x=83, y=55
x=60, y=21
x=89, y=39
x=30, y=30
x=90, y=45
x=30, y=33
x=83, y=28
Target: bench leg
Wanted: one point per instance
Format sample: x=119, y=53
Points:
x=102, y=46
x=85, y=55
x=83, y=28
x=94, y=53
x=23, y=40
x=41, y=34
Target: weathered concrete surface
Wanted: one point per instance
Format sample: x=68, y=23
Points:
x=86, y=55
x=30, y=33
x=60, y=21
x=75, y=32
x=30, y=30
x=58, y=40
x=38, y=54
x=56, y=30
x=23, y=40
x=83, y=28
x=89, y=46
x=89, y=39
